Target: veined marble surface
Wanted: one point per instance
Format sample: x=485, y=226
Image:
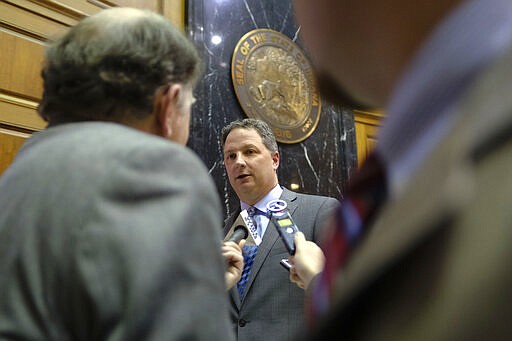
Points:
x=321, y=164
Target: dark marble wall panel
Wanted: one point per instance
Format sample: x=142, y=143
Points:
x=321, y=164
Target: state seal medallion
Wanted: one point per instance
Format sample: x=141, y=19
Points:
x=274, y=82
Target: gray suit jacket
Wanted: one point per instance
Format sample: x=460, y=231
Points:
x=273, y=307
x=108, y=233
x=436, y=265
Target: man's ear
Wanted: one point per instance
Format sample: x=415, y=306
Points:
x=275, y=159
x=167, y=109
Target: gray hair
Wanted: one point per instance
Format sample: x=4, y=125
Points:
x=111, y=64
x=261, y=127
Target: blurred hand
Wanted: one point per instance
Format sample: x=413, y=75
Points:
x=232, y=253
x=307, y=262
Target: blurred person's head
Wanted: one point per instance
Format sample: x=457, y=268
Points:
x=360, y=48
x=122, y=65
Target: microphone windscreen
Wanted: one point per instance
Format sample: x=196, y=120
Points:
x=242, y=220
x=239, y=232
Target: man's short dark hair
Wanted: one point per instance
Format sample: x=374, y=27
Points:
x=110, y=65
x=261, y=127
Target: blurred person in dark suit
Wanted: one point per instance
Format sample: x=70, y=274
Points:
x=426, y=259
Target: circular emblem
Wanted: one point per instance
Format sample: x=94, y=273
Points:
x=276, y=206
x=274, y=82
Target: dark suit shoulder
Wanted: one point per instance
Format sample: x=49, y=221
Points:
x=292, y=196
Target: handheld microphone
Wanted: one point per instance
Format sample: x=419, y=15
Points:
x=243, y=221
x=239, y=232
x=284, y=223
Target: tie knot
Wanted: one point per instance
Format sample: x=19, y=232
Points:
x=252, y=211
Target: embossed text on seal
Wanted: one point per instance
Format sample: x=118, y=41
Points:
x=274, y=81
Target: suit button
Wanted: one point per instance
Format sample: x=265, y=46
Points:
x=242, y=322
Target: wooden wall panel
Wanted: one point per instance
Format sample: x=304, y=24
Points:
x=10, y=143
x=367, y=125
x=20, y=66
x=25, y=27
x=153, y=5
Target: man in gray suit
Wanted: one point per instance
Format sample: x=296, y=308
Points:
x=110, y=227
x=270, y=307
x=435, y=262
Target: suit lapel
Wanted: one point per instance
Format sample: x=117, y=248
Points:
x=270, y=238
x=233, y=292
x=439, y=190
x=405, y=223
x=230, y=220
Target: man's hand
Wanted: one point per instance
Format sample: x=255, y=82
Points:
x=307, y=262
x=232, y=253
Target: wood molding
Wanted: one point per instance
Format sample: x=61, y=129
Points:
x=32, y=22
x=10, y=142
x=20, y=113
x=367, y=124
x=25, y=28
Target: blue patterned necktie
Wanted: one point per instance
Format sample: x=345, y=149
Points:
x=249, y=252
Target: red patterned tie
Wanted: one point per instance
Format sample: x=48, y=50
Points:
x=366, y=192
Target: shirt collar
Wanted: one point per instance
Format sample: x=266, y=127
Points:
x=261, y=205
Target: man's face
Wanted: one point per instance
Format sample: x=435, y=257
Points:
x=251, y=167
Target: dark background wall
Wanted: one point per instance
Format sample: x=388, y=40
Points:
x=321, y=164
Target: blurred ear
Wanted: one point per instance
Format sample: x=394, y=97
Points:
x=275, y=160
x=167, y=109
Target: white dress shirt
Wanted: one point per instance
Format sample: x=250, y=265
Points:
x=261, y=219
